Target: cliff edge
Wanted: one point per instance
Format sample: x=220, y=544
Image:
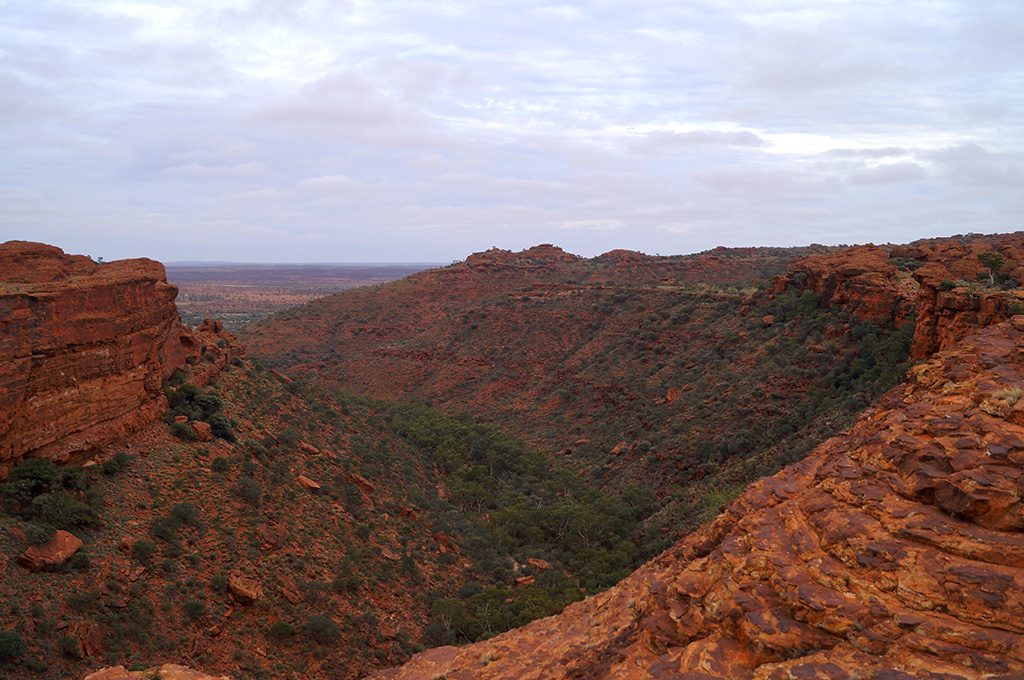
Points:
x=84, y=348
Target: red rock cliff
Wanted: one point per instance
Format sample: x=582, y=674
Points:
x=895, y=550
x=938, y=282
x=84, y=348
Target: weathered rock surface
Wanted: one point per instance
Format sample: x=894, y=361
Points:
x=54, y=553
x=934, y=281
x=168, y=671
x=83, y=349
x=892, y=551
x=245, y=590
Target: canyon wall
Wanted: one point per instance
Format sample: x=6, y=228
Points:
x=84, y=348
x=894, y=550
x=940, y=284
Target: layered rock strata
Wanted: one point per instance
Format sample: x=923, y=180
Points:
x=84, y=348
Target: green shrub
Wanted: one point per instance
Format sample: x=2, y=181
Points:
x=143, y=551
x=322, y=630
x=165, y=528
x=193, y=609
x=61, y=510
x=39, y=533
x=281, y=630
x=186, y=513
x=249, y=490
x=79, y=561
x=83, y=600
x=12, y=645
x=346, y=583
x=184, y=431
x=116, y=464
x=220, y=464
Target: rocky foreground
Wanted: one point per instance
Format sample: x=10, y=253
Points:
x=892, y=551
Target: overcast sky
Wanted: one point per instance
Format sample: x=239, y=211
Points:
x=408, y=130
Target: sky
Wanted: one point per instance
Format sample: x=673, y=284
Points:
x=422, y=131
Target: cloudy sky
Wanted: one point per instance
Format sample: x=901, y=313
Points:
x=409, y=130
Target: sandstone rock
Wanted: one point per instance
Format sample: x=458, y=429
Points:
x=389, y=554
x=525, y=581
x=204, y=432
x=165, y=672
x=895, y=550
x=308, y=484
x=363, y=483
x=83, y=349
x=54, y=553
x=88, y=637
x=444, y=543
x=245, y=590
x=180, y=420
x=290, y=591
x=538, y=564
x=308, y=448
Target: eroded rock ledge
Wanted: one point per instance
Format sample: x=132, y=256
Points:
x=84, y=348
x=894, y=550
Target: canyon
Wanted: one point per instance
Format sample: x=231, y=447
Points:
x=745, y=463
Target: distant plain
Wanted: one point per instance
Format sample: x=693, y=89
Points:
x=240, y=294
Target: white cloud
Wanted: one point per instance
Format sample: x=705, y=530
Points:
x=426, y=129
x=199, y=170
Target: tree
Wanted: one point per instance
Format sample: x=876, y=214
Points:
x=993, y=262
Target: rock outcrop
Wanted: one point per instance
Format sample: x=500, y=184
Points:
x=168, y=671
x=84, y=348
x=53, y=553
x=861, y=279
x=935, y=282
x=892, y=551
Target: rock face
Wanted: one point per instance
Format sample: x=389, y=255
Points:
x=892, y=551
x=83, y=349
x=860, y=279
x=168, y=671
x=933, y=281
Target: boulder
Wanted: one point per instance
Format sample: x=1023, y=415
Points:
x=52, y=554
x=245, y=590
x=308, y=484
x=204, y=432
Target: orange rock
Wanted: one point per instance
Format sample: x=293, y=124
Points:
x=84, y=349
x=180, y=420
x=308, y=484
x=245, y=590
x=538, y=564
x=204, y=432
x=444, y=543
x=362, y=482
x=308, y=448
x=389, y=554
x=165, y=672
x=526, y=581
x=54, y=553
